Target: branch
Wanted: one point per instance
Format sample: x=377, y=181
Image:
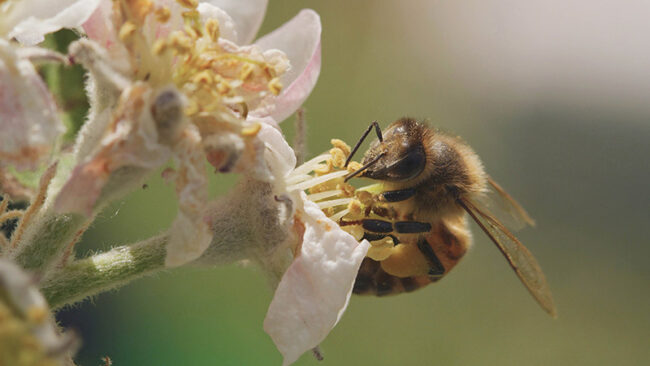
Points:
x=102, y=272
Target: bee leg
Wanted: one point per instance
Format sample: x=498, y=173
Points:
x=437, y=269
x=377, y=226
x=398, y=195
x=412, y=227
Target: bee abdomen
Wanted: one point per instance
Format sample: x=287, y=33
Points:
x=442, y=247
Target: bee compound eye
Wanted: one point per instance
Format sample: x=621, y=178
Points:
x=410, y=165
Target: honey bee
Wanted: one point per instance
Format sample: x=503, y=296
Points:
x=428, y=182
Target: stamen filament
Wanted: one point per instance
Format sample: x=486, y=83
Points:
x=317, y=180
x=337, y=216
x=311, y=164
x=333, y=203
x=322, y=195
x=294, y=179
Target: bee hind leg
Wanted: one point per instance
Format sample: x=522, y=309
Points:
x=437, y=270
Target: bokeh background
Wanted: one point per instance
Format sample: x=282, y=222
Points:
x=553, y=95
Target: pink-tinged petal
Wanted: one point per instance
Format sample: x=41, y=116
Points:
x=247, y=16
x=33, y=19
x=190, y=233
x=29, y=118
x=131, y=140
x=99, y=26
x=279, y=155
x=315, y=290
x=300, y=40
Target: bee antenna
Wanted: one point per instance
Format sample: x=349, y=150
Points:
x=368, y=164
x=363, y=137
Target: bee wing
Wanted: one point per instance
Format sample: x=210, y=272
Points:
x=504, y=207
x=520, y=258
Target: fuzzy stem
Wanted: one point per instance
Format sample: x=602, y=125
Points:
x=47, y=240
x=102, y=272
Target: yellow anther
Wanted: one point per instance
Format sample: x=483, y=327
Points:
x=203, y=77
x=180, y=42
x=127, y=30
x=159, y=46
x=36, y=314
x=212, y=29
x=251, y=131
x=224, y=87
x=140, y=9
x=192, y=32
x=341, y=145
x=338, y=157
x=354, y=166
x=275, y=86
x=323, y=168
x=191, y=16
x=190, y=4
x=162, y=14
x=246, y=72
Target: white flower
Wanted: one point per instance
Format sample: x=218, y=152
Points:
x=29, y=118
x=189, y=59
x=314, y=291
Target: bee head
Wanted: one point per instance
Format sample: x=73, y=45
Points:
x=400, y=156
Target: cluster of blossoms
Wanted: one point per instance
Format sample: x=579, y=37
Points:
x=175, y=81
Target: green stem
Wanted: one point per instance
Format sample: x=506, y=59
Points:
x=102, y=272
x=47, y=240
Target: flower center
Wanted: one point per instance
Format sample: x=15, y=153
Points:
x=214, y=74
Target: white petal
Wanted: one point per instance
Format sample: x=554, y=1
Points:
x=315, y=290
x=227, y=26
x=299, y=39
x=28, y=115
x=278, y=155
x=247, y=16
x=30, y=20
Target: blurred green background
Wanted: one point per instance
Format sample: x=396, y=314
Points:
x=552, y=96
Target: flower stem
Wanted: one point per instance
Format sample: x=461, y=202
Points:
x=102, y=272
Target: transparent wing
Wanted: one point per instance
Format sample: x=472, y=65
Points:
x=520, y=259
x=504, y=207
